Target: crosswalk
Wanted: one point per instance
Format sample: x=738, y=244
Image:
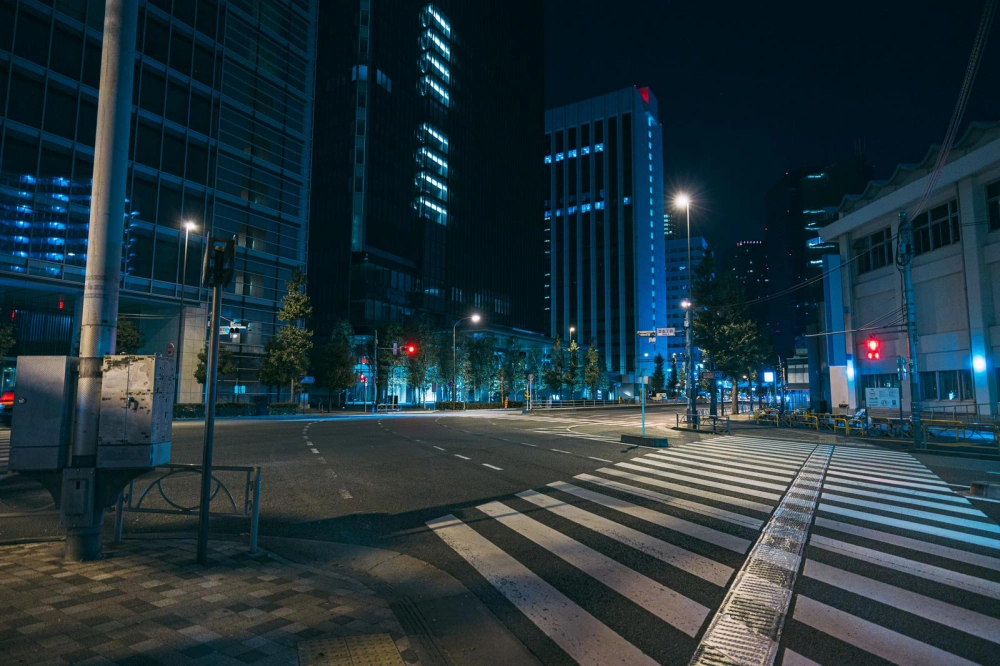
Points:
x=628, y=564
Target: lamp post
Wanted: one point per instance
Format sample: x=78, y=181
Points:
x=572, y=330
x=188, y=227
x=454, y=354
x=684, y=201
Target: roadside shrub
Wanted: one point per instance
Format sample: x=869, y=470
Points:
x=235, y=409
x=447, y=406
x=189, y=410
x=282, y=408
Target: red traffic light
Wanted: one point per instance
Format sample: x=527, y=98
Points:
x=411, y=349
x=363, y=379
x=874, y=349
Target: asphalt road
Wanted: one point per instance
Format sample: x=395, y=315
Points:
x=597, y=552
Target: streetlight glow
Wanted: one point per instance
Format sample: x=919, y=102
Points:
x=475, y=319
x=682, y=200
x=189, y=225
x=685, y=304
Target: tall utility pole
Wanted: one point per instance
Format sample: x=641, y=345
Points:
x=904, y=259
x=104, y=255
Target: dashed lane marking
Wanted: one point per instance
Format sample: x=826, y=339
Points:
x=601, y=459
x=314, y=450
x=499, y=469
x=462, y=457
x=345, y=494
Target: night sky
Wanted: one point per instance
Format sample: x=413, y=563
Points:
x=748, y=90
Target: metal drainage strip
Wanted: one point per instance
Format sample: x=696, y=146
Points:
x=746, y=628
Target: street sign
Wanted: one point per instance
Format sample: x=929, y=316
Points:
x=882, y=398
x=646, y=334
x=719, y=374
x=713, y=374
x=768, y=377
x=666, y=332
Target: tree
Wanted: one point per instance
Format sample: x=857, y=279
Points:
x=334, y=362
x=7, y=340
x=552, y=374
x=673, y=383
x=420, y=364
x=227, y=364
x=659, y=378
x=573, y=368
x=592, y=370
x=287, y=353
x=128, y=338
x=389, y=371
x=482, y=361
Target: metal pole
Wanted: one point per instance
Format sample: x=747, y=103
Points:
x=906, y=259
x=104, y=256
x=689, y=333
x=454, y=363
x=206, y=461
x=642, y=387
x=180, y=319
x=375, y=378
x=255, y=514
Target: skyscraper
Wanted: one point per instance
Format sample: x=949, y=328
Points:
x=749, y=259
x=427, y=161
x=675, y=253
x=605, y=277
x=221, y=139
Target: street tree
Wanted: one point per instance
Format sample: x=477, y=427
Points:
x=552, y=373
x=128, y=338
x=572, y=378
x=420, y=364
x=333, y=363
x=390, y=366
x=592, y=370
x=482, y=362
x=672, y=382
x=7, y=340
x=227, y=363
x=659, y=378
x=286, y=358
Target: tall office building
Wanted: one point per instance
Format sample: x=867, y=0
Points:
x=670, y=225
x=427, y=161
x=221, y=138
x=675, y=254
x=605, y=277
x=749, y=260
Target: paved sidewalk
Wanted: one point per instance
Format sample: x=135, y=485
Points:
x=148, y=603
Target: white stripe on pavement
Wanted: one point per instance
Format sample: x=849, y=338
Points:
x=673, y=608
x=715, y=467
x=960, y=619
x=732, y=487
x=871, y=637
x=947, y=552
x=987, y=588
x=462, y=457
x=688, y=490
x=792, y=658
x=438, y=448
x=499, y=469
x=582, y=636
x=913, y=527
x=759, y=453
x=707, y=534
x=940, y=497
x=992, y=528
x=967, y=510
x=903, y=477
x=788, y=470
x=599, y=459
x=686, y=505
x=891, y=482
x=698, y=565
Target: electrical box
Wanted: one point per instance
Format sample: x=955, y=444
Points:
x=77, y=505
x=137, y=399
x=41, y=423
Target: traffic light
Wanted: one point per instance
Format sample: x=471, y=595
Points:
x=874, y=349
x=411, y=350
x=363, y=379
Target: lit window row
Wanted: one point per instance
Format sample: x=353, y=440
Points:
x=428, y=130
x=429, y=155
x=423, y=175
x=431, y=60
x=572, y=153
x=431, y=210
x=428, y=83
x=431, y=12
x=430, y=37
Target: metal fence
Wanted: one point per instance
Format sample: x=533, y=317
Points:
x=165, y=490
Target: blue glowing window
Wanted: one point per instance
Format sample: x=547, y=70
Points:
x=585, y=208
x=572, y=153
x=599, y=205
x=627, y=200
x=571, y=210
x=585, y=150
x=548, y=159
x=599, y=148
x=560, y=157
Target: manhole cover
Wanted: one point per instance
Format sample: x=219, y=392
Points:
x=371, y=650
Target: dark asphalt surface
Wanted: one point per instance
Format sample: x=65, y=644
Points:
x=378, y=481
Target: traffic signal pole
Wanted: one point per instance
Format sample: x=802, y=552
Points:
x=904, y=259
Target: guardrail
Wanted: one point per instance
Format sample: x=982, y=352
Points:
x=566, y=404
x=699, y=421
x=385, y=408
x=161, y=501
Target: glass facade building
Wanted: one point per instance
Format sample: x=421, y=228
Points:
x=427, y=187
x=603, y=224
x=675, y=254
x=221, y=136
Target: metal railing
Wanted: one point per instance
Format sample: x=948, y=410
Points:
x=567, y=404
x=163, y=502
x=702, y=422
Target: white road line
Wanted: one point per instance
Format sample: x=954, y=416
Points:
x=665, y=460
x=314, y=450
x=686, y=505
x=903, y=477
x=560, y=451
x=534, y=446
x=970, y=622
x=871, y=637
x=600, y=459
x=967, y=510
x=321, y=460
x=732, y=487
x=707, y=534
x=914, y=527
x=346, y=495
x=688, y=490
x=789, y=469
x=670, y=606
x=756, y=451
x=956, y=554
x=915, y=468
x=437, y=447
x=940, y=497
x=462, y=457
x=582, y=636
x=987, y=588
x=792, y=658
x=499, y=469
x=891, y=482
x=698, y=565
x=914, y=513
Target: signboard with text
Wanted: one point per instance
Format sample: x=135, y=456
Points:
x=666, y=332
x=882, y=398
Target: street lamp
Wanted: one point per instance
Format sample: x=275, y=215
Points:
x=454, y=353
x=572, y=330
x=189, y=226
x=682, y=200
